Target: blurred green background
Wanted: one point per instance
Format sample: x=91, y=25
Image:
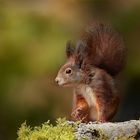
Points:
x=33, y=34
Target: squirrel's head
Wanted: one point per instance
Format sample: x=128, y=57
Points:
x=70, y=73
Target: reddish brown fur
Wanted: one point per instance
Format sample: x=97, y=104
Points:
x=98, y=56
x=80, y=109
x=105, y=48
x=107, y=100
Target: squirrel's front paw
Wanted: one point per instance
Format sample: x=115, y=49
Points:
x=79, y=115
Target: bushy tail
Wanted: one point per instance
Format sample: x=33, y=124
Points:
x=103, y=47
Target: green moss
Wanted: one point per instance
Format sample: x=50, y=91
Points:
x=61, y=131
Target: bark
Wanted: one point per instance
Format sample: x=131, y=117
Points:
x=129, y=130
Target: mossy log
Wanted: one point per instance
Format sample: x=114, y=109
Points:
x=129, y=130
x=69, y=130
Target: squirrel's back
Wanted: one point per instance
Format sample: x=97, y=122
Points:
x=105, y=48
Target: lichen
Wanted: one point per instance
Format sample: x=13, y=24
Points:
x=61, y=131
x=88, y=132
x=95, y=134
x=124, y=138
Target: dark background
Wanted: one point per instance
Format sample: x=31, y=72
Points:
x=33, y=34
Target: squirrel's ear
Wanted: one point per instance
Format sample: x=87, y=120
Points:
x=70, y=49
x=80, y=52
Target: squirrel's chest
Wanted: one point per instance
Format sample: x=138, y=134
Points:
x=87, y=93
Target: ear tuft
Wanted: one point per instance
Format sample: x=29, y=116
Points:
x=70, y=49
x=80, y=52
x=80, y=47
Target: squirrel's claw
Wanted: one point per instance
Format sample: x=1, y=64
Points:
x=79, y=115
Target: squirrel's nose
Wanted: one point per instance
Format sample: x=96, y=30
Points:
x=57, y=80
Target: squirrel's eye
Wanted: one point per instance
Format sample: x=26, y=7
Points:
x=68, y=71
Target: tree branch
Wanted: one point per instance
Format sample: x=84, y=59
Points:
x=109, y=131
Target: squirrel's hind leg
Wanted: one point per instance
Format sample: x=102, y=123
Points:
x=106, y=110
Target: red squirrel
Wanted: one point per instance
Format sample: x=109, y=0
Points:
x=91, y=68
